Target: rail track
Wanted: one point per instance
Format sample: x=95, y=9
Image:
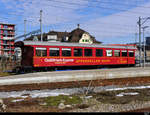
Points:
x=76, y=84
x=72, y=79
x=134, y=79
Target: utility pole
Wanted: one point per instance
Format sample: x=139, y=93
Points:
x=143, y=48
x=135, y=39
x=144, y=51
x=41, y=24
x=140, y=50
x=25, y=29
x=140, y=24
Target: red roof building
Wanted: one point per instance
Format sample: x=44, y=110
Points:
x=7, y=34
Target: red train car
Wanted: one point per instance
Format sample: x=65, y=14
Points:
x=37, y=54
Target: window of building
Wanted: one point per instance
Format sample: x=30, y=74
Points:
x=131, y=53
x=54, y=51
x=124, y=53
x=5, y=32
x=5, y=42
x=87, y=52
x=117, y=53
x=83, y=40
x=52, y=38
x=77, y=52
x=109, y=53
x=5, y=26
x=41, y=52
x=86, y=40
x=99, y=52
x=66, y=51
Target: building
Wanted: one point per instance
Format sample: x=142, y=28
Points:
x=80, y=36
x=7, y=34
x=148, y=41
x=51, y=36
x=76, y=36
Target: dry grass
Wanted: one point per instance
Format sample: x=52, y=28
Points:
x=33, y=104
x=3, y=74
x=110, y=96
x=28, y=105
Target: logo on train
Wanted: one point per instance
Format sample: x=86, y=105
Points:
x=58, y=60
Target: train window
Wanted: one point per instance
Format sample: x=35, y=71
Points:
x=41, y=52
x=53, y=51
x=87, y=52
x=116, y=53
x=131, y=53
x=77, y=52
x=109, y=53
x=124, y=53
x=99, y=52
x=66, y=51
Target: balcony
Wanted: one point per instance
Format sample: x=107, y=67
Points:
x=6, y=44
x=9, y=28
x=6, y=49
x=9, y=33
x=8, y=38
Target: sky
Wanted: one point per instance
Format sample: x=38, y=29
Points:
x=109, y=21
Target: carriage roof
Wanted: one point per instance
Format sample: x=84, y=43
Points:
x=45, y=43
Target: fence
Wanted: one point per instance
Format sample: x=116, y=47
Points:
x=7, y=64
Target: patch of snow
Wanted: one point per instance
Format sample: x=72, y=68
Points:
x=16, y=100
x=65, y=91
x=46, y=94
x=119, y=95
x=130, y=93
x=124, y=88
x=33, y=93
x=24, y=96
x=87, y=97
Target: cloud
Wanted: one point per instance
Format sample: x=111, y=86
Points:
x=103, y=19
x=54, y=12
x=117, y=25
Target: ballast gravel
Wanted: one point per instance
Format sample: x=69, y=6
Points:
x=101, y=107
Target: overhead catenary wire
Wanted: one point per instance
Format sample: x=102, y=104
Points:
x=77, y=4
x=116, y=3
x=80, y=5
x=102, y=22
x=73, y=8
x=117, y=14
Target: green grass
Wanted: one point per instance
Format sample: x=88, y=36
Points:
x=67, y=100
x=2, y=74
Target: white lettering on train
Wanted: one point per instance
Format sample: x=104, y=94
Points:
x=58, y=60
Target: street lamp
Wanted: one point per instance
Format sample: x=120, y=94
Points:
x=144, y=44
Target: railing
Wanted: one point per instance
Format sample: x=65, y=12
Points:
x=7, y=44
x=8, y=28
x=8, y=38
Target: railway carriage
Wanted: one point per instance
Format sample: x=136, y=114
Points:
x=43, y=55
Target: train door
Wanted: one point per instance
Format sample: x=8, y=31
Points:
x=27, y=56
